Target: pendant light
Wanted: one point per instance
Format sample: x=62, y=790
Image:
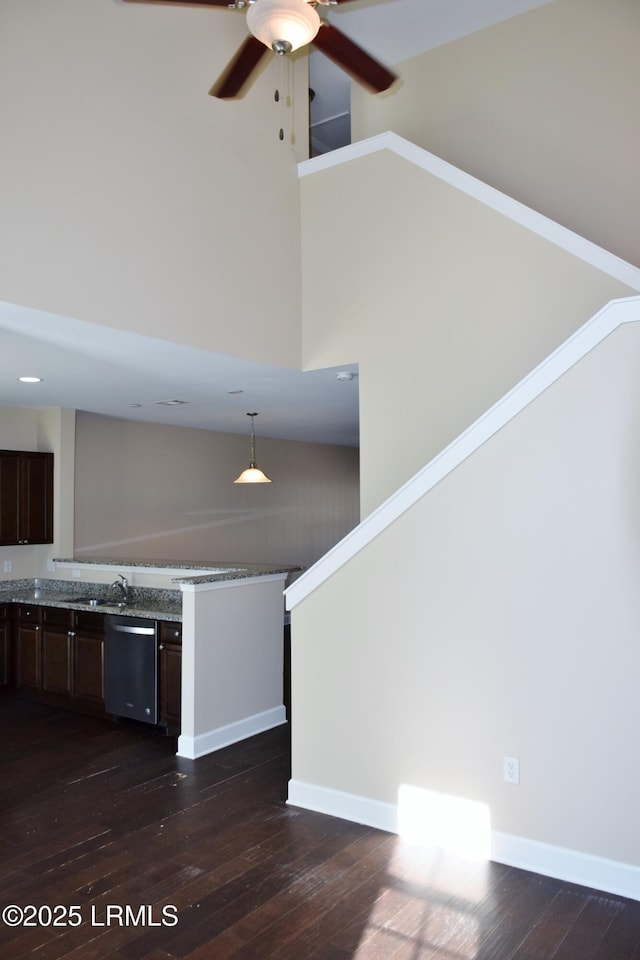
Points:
x=253, y=473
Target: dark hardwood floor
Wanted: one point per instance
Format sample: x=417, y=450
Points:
x=102, y=816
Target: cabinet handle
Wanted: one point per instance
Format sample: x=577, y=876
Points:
x=37, y=627
x=161, y=646
x=71, y=633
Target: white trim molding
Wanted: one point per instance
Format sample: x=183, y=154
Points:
x=347, y=806
x=548, y=229
x=599, y=873
x=613, y=315
x=212, y=740
x=571, y=866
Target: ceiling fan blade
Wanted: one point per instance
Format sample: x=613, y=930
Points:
x=230, y=83
x=353, y=59
x=190, y=3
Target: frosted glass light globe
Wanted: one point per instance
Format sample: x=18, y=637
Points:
x=292, y=22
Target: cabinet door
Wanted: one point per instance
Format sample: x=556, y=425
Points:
x=56, y=661
x=36, y=498
x=170, y=684
x=57, y=650
x=89, y=659
x=28, y=656
x=89, y=679
x=9, y=497
x=26, y=497
x=170, y=674
x=5, y=647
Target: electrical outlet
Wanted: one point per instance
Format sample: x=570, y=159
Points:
x=76, y=573
x=511, y=770
x=8, y=566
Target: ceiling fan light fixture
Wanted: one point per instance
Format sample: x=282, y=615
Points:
x=283, y=25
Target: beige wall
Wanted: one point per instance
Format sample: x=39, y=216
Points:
x=445, y=307
x=544, y=107
x=232, y=663
x=497, y=617
x=19, y=429
x=132, y=199
x=47, y=430
x=161, y=492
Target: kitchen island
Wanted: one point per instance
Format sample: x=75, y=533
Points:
x=232, y=635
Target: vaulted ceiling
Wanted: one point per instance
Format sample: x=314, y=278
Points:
x=120, y=374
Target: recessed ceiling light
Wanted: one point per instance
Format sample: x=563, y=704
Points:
x=30, y=379
x=235, y=391
x=171, y=403
x=134, y=404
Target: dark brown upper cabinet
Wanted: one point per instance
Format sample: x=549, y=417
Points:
x=26, y=497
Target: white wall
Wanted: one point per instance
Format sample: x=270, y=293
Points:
x=161, y=492
x=232, y=650
x=47, y=430
x=129, y=197
x=544, y=107
x=446, y=304
x=498, y=617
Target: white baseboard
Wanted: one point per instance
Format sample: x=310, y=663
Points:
x=610, y=876
x=212, y=740
x=572, y=866
x=347, y=806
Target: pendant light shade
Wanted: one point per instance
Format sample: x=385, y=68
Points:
x=253, y=473
x=283, y=25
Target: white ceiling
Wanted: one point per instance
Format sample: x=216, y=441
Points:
x=119, y=374
x=124, y=375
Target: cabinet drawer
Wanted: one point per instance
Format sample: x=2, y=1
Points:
x=28, y=612
x=57, y=617
x=88, y=622
x=170, y=632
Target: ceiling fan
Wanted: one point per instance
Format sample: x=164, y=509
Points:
x=283, y=26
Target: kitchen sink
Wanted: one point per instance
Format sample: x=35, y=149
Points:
x=92, y=600
x=95, y=602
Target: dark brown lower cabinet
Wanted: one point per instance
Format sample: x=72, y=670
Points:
x=57, y=651
x=28, y=648
x=170, y=675
x=58, y=655
x=5, y=645
x=89, y=659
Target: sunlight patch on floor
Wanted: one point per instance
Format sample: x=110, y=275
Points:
x=436, y=880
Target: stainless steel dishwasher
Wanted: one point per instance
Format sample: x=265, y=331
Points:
x=131, y=668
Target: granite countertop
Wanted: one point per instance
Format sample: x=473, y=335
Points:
x=145, y=602
x=148, y=602
x=209, y=572
x=238, y=573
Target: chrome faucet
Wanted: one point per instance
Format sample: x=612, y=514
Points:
x=123, y=586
